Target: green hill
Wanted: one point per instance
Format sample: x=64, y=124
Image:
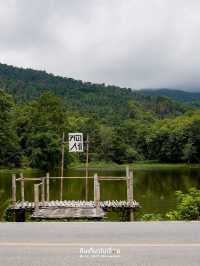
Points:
x=110, y=102
x=123, y=125
x=192, y=98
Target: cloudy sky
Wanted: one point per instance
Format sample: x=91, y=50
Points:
x=131, y=43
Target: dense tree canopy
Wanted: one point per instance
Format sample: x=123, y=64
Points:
x=123, y=126
x=9, y=149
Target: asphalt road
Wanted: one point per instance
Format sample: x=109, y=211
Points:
x=136, y=243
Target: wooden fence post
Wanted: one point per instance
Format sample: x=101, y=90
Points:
x=131, y=186
x=22, y=187
x=96, y=190
x=36, y=196
x=14, y=190
x=127, y=171
x=43, y=190
x=47, y=187
x=62, y=166
x=128, y=183
x=131, y=194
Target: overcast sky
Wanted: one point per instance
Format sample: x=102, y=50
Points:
x=131, y=43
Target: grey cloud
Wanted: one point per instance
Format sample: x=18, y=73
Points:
x=131, y=43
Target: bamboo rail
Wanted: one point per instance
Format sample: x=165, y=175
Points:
x=42, y=193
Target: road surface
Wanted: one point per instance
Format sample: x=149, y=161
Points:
x=100, y=243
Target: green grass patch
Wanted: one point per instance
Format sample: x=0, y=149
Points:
x=137, y=165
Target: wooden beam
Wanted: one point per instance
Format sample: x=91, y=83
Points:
x=130, y=191
x=13, y=190
x=36, y=196
x=131, y=186
x=127, y=171
x=43, y=190
x=22, y=187
x=69, y=177
x=128, y=186
x=98, y=192
x=62, y=166
x=86, y=168
x=32, y=178
x=95, y=189
x=81, y=204
x=47, y=186
x=112, y=178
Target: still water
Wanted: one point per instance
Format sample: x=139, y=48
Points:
x=153, y=188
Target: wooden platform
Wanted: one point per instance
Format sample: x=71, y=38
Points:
x=43, y=208
x=110, y=204
x=68, y=213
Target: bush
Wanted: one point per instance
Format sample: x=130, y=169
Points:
x=151, y=217
x=188, y=206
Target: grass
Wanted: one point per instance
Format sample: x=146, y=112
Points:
x=137, y=165
x=18, y=170
x=141, y=165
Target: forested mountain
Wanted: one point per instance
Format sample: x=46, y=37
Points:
x=123, y=125
x=177, y=95
x=110, y=102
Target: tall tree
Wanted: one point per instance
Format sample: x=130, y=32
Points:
x=9, y=148
x=40, y=126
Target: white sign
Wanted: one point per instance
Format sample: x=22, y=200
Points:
x=75, y=142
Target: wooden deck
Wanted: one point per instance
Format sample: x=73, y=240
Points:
x=68, y=213
x=44, y=208
x=110, y=204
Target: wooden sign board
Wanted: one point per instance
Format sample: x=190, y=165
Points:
x=75, y=142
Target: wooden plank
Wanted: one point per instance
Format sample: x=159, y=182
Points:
x=13, y=190
x=47, y=187
x=32, y=178
x=36, y=196
x=62, y=213
x=127, y=171
x=131, y=186
x=43, y=190
x=112, y=177
x=86, y=168
x=128, y=186
x=22, y=187
x=98, y=192
x=95, y=189
x=78, y=204
x=69, y=177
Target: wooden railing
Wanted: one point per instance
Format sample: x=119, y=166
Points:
x=39, y=188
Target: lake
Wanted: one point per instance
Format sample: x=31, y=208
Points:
x=153, y=188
